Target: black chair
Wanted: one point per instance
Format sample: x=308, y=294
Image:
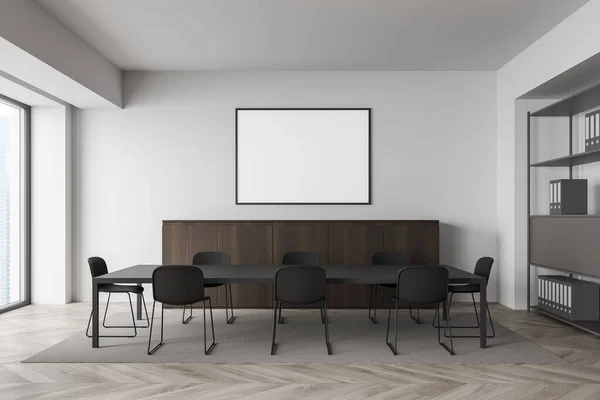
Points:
x=179, y=285
x=98, y=267
x=301, y=285
x=217, y=258
x=298, y=258
x=483, y=268
x=421, y=286
x=385, y=258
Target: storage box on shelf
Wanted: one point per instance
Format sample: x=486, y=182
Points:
x=569, y=298
x=568, y=197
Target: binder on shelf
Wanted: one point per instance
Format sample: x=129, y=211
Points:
x=568, y=197
x=597, y=125
x=587, y=133
x=570, y=298
x=592, y=131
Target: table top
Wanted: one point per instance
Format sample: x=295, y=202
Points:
x=215, y=274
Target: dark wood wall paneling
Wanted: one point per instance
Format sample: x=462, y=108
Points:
x=265, y=242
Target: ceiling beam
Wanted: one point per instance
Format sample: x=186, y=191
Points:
x=36, y=48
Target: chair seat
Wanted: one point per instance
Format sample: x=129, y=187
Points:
x=112, y=288
x=388, y=285
x=466, y=288
x=198, y=300
x=213, y=285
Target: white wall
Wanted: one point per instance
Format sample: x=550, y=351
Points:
x=50, y=205
x=568, y=44
x=170, y=155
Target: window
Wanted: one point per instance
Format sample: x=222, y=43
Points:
x=14, y=265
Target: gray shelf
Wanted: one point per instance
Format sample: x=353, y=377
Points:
x=588, y=157
x=572, y=105
x=592, y=327
x=564, y=216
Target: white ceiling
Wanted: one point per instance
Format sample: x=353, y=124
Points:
x=310, y=34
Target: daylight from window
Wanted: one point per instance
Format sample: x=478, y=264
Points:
x=11, y=281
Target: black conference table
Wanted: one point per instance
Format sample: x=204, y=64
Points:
x=349, y=274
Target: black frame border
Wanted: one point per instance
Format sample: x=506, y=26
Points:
x=368, y=109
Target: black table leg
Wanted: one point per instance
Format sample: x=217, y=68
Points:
x=138, y=304
x=95, y=318
x=482, y=315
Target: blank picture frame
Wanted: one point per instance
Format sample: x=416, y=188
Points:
x=303, y=155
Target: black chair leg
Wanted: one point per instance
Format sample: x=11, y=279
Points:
x=275, y=322
x=162, y=315
x=188, y=319
x=125, y=326
x=474, y=308
x=322, y=310
x=146, y=311
x=491, y=321
x=228, y=304
x=106, y=311
x=134, y=326
x=280, y=319
x=448, y=326
x=373, y=304
x=394, y=346
x=132, y=314
x=327, y=343
x=445, y=314
x=212, y=325
x=493, y=335
x=418, y=319
x=87, y=330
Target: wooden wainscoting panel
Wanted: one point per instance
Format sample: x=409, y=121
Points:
x=420, y=240
x=300, y=236
x=352, y=244
x=395, y=237
x=423, y=244
x=203, y=237
x=249, y=243
x=174, y=243
x=265, y=242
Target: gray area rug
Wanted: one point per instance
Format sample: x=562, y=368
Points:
x=354, y=339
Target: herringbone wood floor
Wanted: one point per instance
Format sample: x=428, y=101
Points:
x=28, y=330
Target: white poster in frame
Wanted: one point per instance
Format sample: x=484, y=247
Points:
x=303, y=155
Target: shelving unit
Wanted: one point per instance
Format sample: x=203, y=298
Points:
x=586, y=256
x=571, y=160
x=592, y=327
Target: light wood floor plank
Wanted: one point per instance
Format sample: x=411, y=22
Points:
x=25, y=331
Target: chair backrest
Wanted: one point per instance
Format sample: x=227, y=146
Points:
x=300, y=284
x=97, y=266
x=300, y=258
x=211, y=258
x=390, y=258
x=483, y=268
x=423, y=285
x=178, y=285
